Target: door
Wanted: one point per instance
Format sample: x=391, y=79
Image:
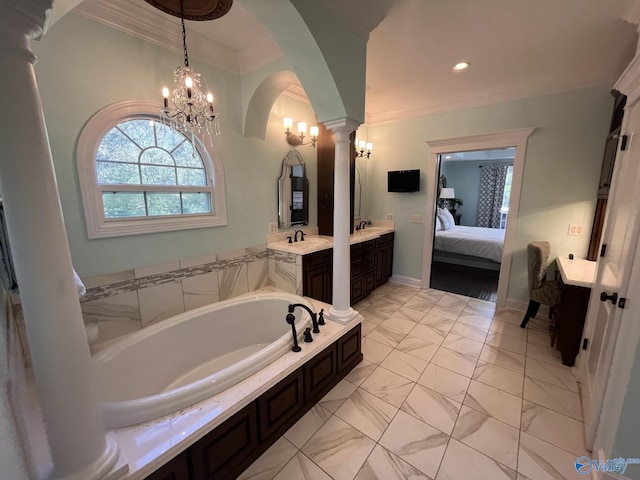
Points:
x=612, y=279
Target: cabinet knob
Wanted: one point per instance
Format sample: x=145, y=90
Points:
x=613, y=297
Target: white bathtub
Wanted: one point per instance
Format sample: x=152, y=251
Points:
x=185, y=359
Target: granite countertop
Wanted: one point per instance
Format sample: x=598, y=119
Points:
x=321, y=242
x=578, y=272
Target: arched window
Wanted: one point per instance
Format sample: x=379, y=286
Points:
x=139, y=175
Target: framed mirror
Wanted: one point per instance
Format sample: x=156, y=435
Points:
x=293, y=192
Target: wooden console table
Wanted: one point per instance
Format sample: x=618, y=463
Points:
x=577, y=277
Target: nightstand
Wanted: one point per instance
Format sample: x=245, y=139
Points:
x=456, y=218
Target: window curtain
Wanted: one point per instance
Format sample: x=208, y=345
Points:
x=492, y=180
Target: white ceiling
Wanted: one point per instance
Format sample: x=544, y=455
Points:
x=517, y=48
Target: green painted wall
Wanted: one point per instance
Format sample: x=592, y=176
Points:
x=84, y=66
x=562, y=168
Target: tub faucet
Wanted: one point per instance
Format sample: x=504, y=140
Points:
x=314, y=316
x=295, y=237
x=291, y=320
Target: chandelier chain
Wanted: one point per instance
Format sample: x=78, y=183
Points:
x=184, y=35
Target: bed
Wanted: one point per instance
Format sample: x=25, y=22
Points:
x=472, y=246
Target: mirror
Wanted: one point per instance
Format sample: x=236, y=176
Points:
x=293, y=192
x=357, y=194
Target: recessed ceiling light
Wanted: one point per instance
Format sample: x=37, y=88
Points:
x=460, y=66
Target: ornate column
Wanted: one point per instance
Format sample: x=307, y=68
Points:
x=341, y=310
x=60, y=355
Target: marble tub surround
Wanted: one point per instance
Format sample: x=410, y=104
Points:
x=149, y=445
x=124, y=302
x=482, y=407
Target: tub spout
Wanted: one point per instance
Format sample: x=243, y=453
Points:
x=314, y=316
x=291, y=319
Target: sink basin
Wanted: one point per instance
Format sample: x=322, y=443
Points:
x=309, y=244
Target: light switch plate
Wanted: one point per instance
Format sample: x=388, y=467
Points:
x=390, y=217
x=273, y=227
x=416, y=218
x=576, y=229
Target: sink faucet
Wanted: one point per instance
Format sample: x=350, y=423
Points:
x=295, y=239
x=314, y=316
x=361, y=225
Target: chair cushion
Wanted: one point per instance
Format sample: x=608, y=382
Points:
x=537, y=258
x=547, y=294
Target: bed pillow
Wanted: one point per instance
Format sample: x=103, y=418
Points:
x=438, y=224
x=446, y=218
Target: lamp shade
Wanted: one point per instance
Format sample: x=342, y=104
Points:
x=447, y=193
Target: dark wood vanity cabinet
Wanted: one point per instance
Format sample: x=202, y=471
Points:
x=371, y=266
x=278, y=405
x=384, y=258
x=228, y=448
x=317, y=275
x=176, y=469
x=231, y=447
x=326, y=149
x=363, y=270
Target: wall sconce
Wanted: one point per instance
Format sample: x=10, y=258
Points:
x=363, y=149
x=295, y=140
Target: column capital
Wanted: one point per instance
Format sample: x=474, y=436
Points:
x=342, y=126
x=26, y=18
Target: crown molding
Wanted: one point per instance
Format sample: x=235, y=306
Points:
x=159, y=29
x=296, y=92
x=482, y=98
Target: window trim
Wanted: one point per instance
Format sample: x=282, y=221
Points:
x=88, y=143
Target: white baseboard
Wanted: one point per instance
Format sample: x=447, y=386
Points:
x=409, y=281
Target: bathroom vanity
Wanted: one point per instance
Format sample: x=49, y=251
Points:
x=371, y=263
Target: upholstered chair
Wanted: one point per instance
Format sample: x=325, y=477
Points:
x=541, y=290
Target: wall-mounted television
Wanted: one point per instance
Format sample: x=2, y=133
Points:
x=403, y=181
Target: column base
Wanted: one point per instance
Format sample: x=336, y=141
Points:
x=341, y=316
x=109, y=466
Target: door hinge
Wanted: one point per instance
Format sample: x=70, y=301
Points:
x=603, y=249
x=585, y=343
x=622, y=302
x=623, y=145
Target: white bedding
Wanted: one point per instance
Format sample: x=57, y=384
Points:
x=476, y=241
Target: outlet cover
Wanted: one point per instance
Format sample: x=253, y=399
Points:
x=390, y=217
x=416, y=218
x=576, y=229
x=273, y=227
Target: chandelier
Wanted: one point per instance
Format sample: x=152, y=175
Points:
x=187, y=108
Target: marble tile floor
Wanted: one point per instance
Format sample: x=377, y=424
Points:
x=450, y=388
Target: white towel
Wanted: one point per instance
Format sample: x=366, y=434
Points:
x=79, y=285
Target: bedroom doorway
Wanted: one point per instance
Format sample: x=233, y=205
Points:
x=474, y=189
x=515, y=139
